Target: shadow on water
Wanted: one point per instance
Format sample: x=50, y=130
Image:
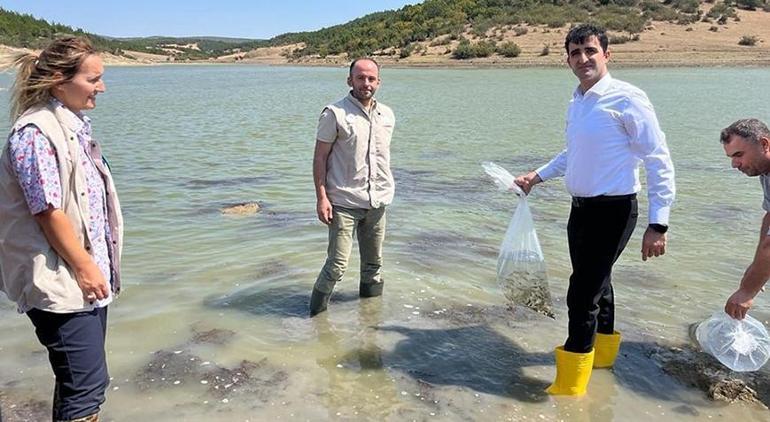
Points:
x=475, y=357
x=637, y=371
x=284, y=301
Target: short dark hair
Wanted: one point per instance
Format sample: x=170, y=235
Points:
x=581, y=33
x=353, y=63
x=749, y=129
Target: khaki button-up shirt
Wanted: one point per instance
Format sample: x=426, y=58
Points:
x=358, y=168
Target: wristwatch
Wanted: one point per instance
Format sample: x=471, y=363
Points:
x=660, y=228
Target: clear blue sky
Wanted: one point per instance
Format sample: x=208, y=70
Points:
x=227, y=18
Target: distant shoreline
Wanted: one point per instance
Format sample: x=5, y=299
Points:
x=744, y=62
x=671, y=59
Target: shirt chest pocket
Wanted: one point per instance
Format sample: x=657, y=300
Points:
x=354, y=129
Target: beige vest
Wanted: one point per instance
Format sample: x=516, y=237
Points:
x=31, y=272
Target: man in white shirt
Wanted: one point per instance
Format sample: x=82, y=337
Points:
x=611, y=130
x=747, y=143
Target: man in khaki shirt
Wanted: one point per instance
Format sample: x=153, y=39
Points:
x=353, y=182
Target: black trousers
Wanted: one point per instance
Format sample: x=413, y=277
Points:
x=598, y=231
x=75, y=344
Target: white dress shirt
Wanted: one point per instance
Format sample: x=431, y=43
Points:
x=611, y=129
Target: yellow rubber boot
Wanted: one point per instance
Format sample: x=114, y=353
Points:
x=573, y=370
x=606, y=349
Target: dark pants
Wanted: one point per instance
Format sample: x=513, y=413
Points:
x=75, y=344
x=598, y=231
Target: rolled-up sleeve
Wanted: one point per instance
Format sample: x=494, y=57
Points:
x=36, y=167
x=649, y=144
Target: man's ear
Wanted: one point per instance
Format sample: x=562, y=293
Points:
x=765, y=142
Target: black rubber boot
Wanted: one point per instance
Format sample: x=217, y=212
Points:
x=370, y=290
x=318, y=302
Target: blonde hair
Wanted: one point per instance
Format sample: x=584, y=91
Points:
x=37, y=74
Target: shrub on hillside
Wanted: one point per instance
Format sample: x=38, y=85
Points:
x=683, y=19
x=659, y=12
x=721, y=9
x=484, y=48
x=622, y=20
x=463, y=51
x=686, y=6
x=509, y=49
x=480, y=28
x=622, y=39
x=466, y=50
x=440, y=41
x=750, y=4
x=406, y=51
x=748, y=40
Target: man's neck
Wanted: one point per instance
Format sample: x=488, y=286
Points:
x=585, y=86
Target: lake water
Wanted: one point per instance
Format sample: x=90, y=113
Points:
x=213, y=322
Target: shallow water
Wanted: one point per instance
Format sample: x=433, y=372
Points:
x=221, y=301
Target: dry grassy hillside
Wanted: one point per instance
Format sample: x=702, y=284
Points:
x=660, y=44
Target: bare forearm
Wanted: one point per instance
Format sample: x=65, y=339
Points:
x=758, y=272
x=321, y=155
x=61, y=236
x=319, y=178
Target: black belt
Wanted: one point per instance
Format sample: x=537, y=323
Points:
x=578, y=201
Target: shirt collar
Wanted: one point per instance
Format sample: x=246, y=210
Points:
x=355, y=101
x=600, y=88
x=77, y=122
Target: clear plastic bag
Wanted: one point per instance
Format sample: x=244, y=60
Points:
x=741, y=345
x=502, y=178
x=520, y=265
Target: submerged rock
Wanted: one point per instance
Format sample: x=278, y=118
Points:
x=696, y=368
x=217, y=336
x=179, y=366
x=244, y=208
x=169, y=368
x=461, y=315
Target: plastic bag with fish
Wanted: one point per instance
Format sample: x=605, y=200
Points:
x=520, y=265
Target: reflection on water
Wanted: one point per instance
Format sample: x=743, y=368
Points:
x=213, y=324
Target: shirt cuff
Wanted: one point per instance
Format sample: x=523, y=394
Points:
x=545, y=173
x=659, y=215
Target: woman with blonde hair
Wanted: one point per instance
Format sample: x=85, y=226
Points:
x=61, y=228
